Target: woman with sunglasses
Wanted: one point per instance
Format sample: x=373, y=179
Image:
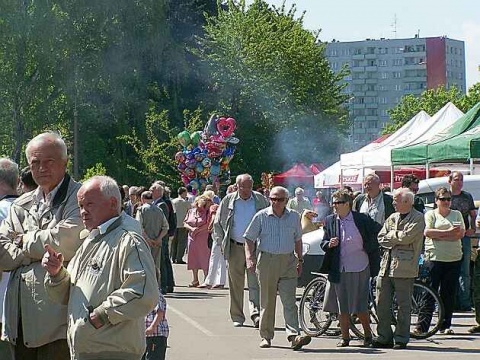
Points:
x=444, y=229
x=352, y=256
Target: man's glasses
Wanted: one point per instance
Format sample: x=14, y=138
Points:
x=338, y=202
x=445, y=199
x=272, y=199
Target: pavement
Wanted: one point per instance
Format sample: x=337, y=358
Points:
x=201, y=329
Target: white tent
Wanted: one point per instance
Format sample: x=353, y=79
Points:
x=419, y=129
x=377, y=155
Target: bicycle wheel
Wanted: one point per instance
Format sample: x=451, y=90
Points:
x=427, y=311
x=313, y=320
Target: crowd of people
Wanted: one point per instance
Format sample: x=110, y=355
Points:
x=94, y=260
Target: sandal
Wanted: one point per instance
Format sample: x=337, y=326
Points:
x=203, y=286
x=193, y=284
x=343, y=343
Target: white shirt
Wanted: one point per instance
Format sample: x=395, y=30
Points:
x=101, y=229
x=243, y=212
x=44, y=201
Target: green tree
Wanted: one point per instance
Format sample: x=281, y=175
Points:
x=271, y=74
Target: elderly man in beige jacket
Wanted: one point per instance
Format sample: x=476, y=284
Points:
x=48, y=215
x=110, y=284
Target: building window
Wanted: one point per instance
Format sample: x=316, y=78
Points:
x=382, y=62
x=397, y=74
x=384, y=75
x=382, y=87
x=420, y=48
x=333, y=52
x=370, y=50
x=397, y=62
x=398, y=87
x=383, y=50
x=382, y=100
x=357, y=51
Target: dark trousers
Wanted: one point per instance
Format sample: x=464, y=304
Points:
x=179, y=244
x=156, y=348
x=6, y=349
x=444, y=276
x=166, y=271
x=57, y=350
x=476, y=289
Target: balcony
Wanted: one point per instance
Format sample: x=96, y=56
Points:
x=358, y=57
x=371, y=68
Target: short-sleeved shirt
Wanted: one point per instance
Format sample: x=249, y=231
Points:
x=443, y=250
x=463, y=202
x=275, y=235
x=243, y=212
x=162, y=327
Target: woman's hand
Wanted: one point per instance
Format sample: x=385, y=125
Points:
x=333, y=242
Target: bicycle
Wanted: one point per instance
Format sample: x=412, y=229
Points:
x=427, y=310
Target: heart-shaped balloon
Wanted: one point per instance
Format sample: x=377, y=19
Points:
x=226, y=126
x=181, y=166
x=190, y=173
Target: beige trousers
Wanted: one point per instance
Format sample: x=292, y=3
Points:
x=277, y=272
x=236, y=282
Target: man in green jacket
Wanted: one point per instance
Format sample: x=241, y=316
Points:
x=110, y=284
x=48, y=215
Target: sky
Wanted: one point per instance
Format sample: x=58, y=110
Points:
x=353, y=20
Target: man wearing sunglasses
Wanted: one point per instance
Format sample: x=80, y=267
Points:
x=277, y=232
x=463, y=202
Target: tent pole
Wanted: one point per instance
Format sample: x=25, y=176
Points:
x=471, y=166
x=341, y=177
x=427, y=170
x=392, y=175
x=363, y=178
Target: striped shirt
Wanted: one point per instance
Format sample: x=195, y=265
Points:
x=162, y=327
x=275, y=235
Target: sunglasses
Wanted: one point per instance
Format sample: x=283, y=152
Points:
x=276, y=199
x=444, y=199
x=338, y=202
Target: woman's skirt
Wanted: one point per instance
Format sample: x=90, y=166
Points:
x=350, y=295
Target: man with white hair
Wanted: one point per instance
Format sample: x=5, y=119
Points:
x=110, y=284
x=9, y=176
x=299, y=202
x=401, y=239
x=47, y=215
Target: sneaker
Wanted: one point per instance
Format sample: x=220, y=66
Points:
x=447, y=331
x=399, y=346
x=343, y=343
x=474, y=329
x=367, y=341
x=300, y=341
x=237, y=324
x=265, y=343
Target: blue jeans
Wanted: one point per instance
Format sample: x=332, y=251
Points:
x=464, y=301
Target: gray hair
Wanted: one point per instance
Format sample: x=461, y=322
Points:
x=108, y=187
x=48, y=137
x=406, y=194
x=372, y=177
x=9, y=172
x=281, y=188
x=243, y=177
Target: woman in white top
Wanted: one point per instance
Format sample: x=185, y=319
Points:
x=444, y=229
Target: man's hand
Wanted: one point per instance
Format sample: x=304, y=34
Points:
x=251, y=265
x=95, y=321
x=299, y=268
x=149, y=331
x=52, y=261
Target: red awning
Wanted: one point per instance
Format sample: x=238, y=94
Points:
x=299, y=174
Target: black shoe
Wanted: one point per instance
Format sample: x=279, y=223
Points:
x=169, y=289
x=380, y=345
x=180, y=262
x=299, y=341
x=343, y=343
x=399, y=346
x=367, y=341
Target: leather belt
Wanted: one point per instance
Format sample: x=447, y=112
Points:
x=236, y=242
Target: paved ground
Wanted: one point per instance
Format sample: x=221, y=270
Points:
x=200, y=329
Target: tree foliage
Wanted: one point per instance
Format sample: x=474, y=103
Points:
x=272, y=75
x=430, y=101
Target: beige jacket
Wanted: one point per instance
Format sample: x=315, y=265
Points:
x=401, y=241
x=112, y=275
x=59, y=226
x=222, y=226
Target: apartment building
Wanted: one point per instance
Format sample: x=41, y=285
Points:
x=383, y=71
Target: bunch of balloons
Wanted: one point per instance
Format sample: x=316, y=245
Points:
x=206, y=154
